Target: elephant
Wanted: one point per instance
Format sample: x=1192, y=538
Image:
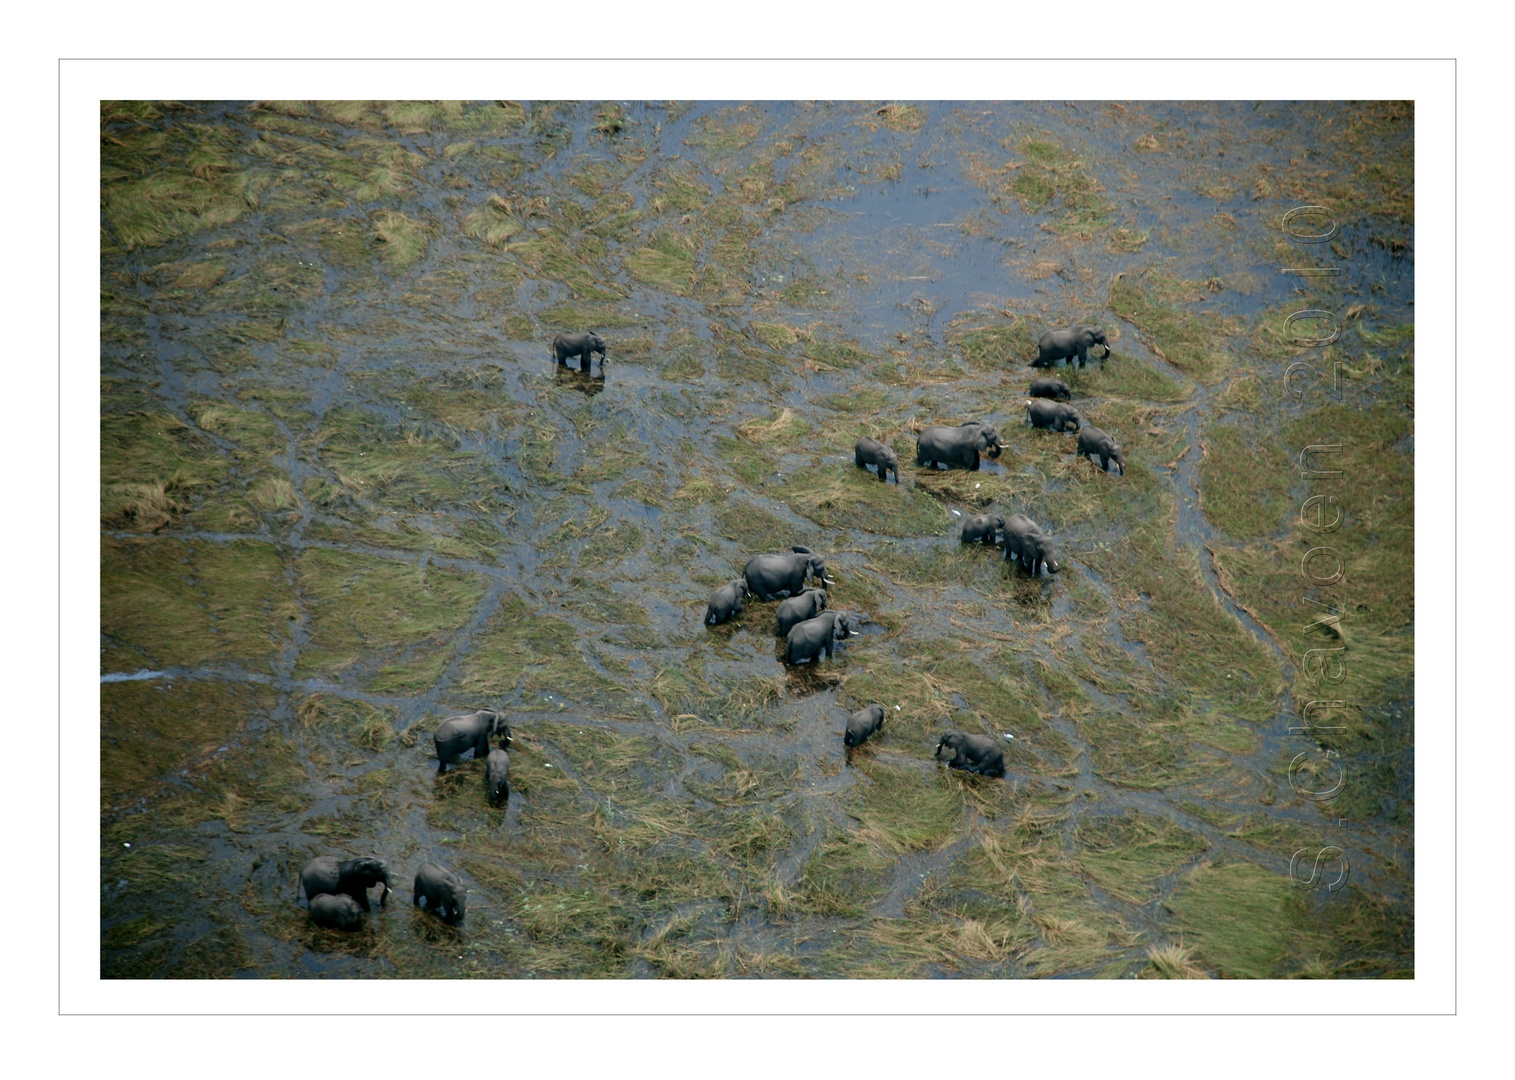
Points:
x=795, y=610
x=352, y=877
x=961, y=445
x=726, y=602
x=816, y=638
x=772, y=576
x=1052, y=414
x=871, y=452
x=497, y=776
x=441, y=891
x=458, y=734
x=973, y=753
x=862, y=724
x=336, y=912
x=583, y=345
x=985, y=527
x=1024, y=540
x=1092, y=441
x=1050, y=388
x=1075, y=341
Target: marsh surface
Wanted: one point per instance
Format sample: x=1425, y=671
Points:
x=346, y=492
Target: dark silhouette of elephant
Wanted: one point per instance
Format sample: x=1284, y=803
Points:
x=983, y=527
x=726, y=602
x=772, y=576
x=1092, y=442
x=816, y=638
x=872, y=452
x=1055, y=415
x=457, y=735
x=1025, y=541
x=497, y=776
x=583, y=345
x=1075, y=341
x=795, y=610
x=442, y=891
x=335, y=912
x=1050, y=388
x=959, y=446
x=350, y=877
x=862, y=724
x=971, y=753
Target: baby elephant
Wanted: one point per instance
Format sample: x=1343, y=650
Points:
x=497, y=776
x=870, y=452
x=1052, y=414
x=441, y=891
x=1092, y=441
x=862, y=724
x=457, y=735
x=352, y=878
x=795, y=610
x=973, y=753
x=726, y=602
x=816, y=638
x=336, y=912
x=1050, y=388
x=583, y=345
x=985, y=527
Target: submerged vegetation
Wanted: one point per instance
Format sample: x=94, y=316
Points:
x=346, y=493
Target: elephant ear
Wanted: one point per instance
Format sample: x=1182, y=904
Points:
x=801, y=550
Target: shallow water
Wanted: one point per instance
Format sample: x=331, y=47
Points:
x=543, y=540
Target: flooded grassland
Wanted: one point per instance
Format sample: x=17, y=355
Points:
x=346, y=492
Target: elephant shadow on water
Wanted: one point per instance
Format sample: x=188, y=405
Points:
x=577, y=379
x=429, y=929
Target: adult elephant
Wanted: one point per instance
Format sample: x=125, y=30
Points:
x=350, y=877
x=726, y=602
x=797, y=609
x=971, y=753
x=1025, y=542
x=583, y=345
x=959, y=446
x=862, y=724
x=1092, y=443
x=457, y=735
x=440, y=890
x=771, y=577
x=817, y=638
x=1073, y=342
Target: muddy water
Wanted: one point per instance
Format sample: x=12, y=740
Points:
x=823, y=266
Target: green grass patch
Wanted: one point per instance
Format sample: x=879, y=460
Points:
x=166, y=602
x=360, y=608
x=1245, y=480
x=1159, y=305
x=1126, y=855
x=1244, y=921
x=846, y=497
x=518, y=645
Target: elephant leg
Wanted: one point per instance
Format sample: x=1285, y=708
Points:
x=362, y=899
x=974, y=466
x=883, y=475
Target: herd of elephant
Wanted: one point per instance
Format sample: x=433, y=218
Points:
x=337, y=890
